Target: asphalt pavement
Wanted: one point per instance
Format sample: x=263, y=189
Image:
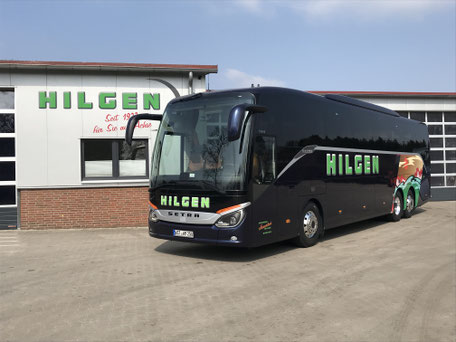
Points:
x=369, y=281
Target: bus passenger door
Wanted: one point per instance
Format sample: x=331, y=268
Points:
x=263, y=168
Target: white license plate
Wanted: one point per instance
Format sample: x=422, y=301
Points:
x=183, y=233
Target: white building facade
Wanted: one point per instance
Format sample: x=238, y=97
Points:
x=62, y=129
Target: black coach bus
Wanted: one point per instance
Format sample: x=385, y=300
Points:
x=254, y=166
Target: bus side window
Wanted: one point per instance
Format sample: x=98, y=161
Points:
x=264, y=159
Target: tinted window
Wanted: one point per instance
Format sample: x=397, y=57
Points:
x=436, y=155
x=436, y=142
x=7, y=171
x=6, y=99
x=437, y=181
x=450, y=142
x=450, y=129
x=362, y=128
x=304, y=123
x=264, y=159
x=7, y=195
x=450, y=155
x=6, y=123
x=403, y=114
x=339, y=126
x=450, y=116
x=295, y=119
x=437, y=168
x=451, y=180
x=434, y=117
x=7, y=147
x=451, y=167
x=417, y=116
x=435, y=130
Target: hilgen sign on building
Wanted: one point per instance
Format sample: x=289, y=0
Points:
x=63, y=159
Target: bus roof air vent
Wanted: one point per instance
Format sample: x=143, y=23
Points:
x=359, y=103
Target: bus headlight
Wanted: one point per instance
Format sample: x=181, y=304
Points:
x=153, y=216
x=230, y=220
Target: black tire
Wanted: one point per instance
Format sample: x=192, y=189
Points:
x=310, y=226
x=398, y=207
x=410, y=204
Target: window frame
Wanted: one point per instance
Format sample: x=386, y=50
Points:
x=11, y=135
x=115, y=161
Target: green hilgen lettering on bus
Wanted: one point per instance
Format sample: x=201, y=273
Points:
x=185, y=201
x=348, y=168
x=195, y=202
x=358, y=164
x=362, y=164
x=341, y=165
x=205, y=202
x=367, y=165
x=330, y=164
x=375, y=165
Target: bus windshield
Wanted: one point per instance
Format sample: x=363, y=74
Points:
x=192, y=146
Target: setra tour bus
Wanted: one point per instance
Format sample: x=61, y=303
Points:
x=254, y=166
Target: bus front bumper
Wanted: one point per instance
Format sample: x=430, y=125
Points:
x=207, y=234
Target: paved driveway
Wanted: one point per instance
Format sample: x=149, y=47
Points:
x=371, y=281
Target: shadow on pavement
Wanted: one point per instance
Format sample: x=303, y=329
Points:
x=234, y=254
x=362, y=225
x=222, y=253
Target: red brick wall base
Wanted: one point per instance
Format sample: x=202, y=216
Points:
x=84, y=208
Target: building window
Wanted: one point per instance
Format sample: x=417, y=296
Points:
x=7, y=171
x=7, y=195
x=6, y=123
x=114, y=159
x=6, y=99
x=7, y=150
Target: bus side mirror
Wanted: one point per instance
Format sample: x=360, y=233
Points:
x=238, y=115
x=134, y=120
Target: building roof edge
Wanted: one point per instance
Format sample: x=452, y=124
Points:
x=385, y=93
x=63, y=65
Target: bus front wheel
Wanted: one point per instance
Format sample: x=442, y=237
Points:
x=311, y=227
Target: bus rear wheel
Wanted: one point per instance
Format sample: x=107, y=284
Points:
x=398, y=211
x=409, y=204
x=311, y=227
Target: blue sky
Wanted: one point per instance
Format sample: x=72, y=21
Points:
x=388, y=45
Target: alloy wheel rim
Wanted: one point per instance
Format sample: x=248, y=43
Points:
x=409, y=203
x=310, y=224
x=397, y=205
